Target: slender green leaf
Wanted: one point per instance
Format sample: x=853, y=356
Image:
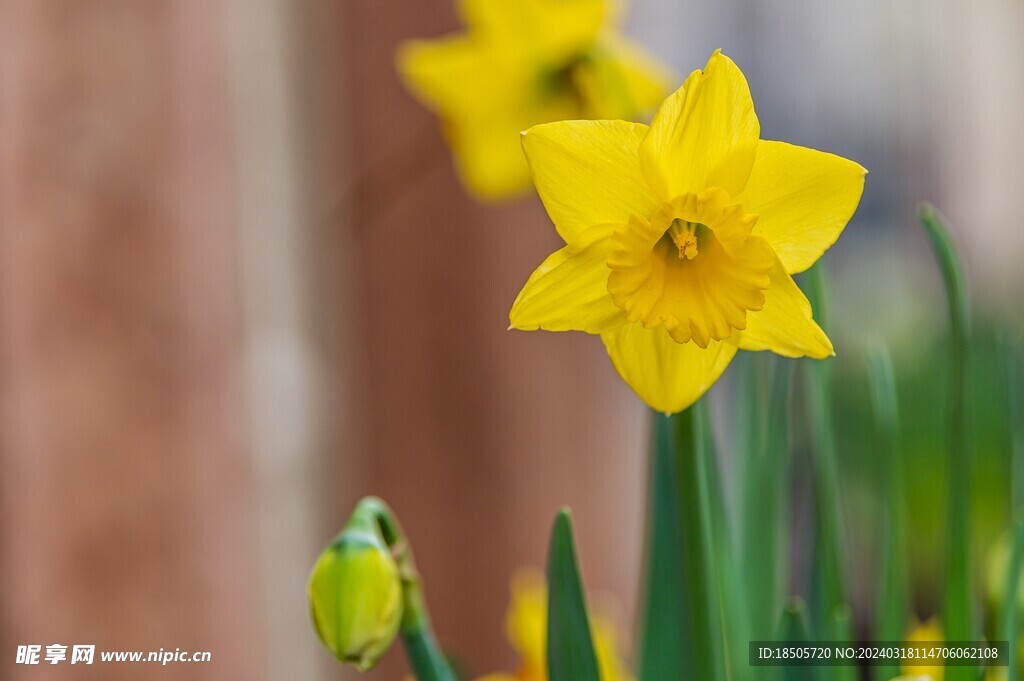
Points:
x=718, y=555
x=570, y=646
x=704, y=616
x=829, y=589
x=765, y=471
x=892, y=605
x=793, y=624
x=1015, y=403
x=1010, y=629
x=748, y=561
x=842, y=622
x=793, y=629
x=958, y=612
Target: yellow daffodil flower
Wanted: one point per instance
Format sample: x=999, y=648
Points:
x=681, y=238
x=924, y=632
x=519, y=64
x=527, y=632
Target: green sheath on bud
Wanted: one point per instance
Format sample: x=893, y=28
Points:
x=355, y=595
x=365, y=589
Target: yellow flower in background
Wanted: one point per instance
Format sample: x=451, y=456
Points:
x=527, y=632
x=519, y=64
x=924, y=632
x=681, y=237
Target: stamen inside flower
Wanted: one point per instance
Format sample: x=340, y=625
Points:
x=684, y=235
x=693, y=267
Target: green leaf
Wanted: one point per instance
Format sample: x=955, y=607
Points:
x=1010, y=629
x=958, y=611
x=1015, y=404
x=717, y=546
x=793, y=624
x=793, y=629
x=570, y=646
x=842, y=622
x=829, y=590
x=765, y=475
x=893, y=603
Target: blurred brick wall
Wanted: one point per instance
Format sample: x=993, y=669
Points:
x=126, y=480
x=124, y=498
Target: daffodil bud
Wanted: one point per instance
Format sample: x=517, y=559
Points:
x=355, y=596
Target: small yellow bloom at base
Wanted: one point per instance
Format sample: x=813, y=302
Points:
x=682, y=237
x=924, y=632
x=527, y=632
x=520, y=64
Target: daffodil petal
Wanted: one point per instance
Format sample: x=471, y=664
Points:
x=785, y=324
x=457, y=75
x=555, y=28
x=644, y=78
x=479, y=93
x=803, y=199
x=588, y=174
x=494, y=15
x=705, y=135
x=569, y=292
x=630, y=81
x=488, y=156
x=668, y=376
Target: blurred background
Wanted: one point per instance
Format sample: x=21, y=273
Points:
x=240, y=287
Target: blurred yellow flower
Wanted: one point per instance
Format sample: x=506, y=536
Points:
x=519, y=64
x=924, y=632
x=527, y=632
x=681, y=237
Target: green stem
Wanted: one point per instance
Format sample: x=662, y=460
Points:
x=425, y=657
x=664, y=645
x=958, y=616
x=703, y=622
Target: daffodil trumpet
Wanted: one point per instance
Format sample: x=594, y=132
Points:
x=365, y=589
